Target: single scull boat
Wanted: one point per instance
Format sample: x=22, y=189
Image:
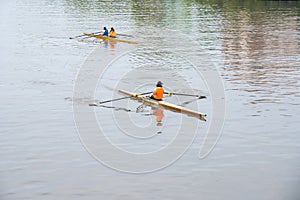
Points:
x=153, y=103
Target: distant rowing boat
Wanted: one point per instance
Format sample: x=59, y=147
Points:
x=153, y=103
x=109, y=38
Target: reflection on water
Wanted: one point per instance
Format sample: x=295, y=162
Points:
x=261, y=52
x=255, y=46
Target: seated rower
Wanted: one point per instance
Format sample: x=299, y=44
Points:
x=105, y=31
x=112, y=33
x=158, y=93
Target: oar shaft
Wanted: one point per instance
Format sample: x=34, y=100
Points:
x=174, y=93
x=121, y=34
x=189, y=95
x=101, y=102
x=83, y=35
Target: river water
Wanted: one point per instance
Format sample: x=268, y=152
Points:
x=242, y=55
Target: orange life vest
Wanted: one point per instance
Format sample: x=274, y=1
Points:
x=158, y=93
x=112, y=34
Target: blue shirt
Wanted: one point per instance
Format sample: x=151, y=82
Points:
x=105, y=33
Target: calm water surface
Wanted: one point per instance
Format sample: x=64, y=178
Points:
x=253, y=45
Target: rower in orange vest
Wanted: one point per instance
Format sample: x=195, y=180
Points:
x=158, y=93
x=112, y=33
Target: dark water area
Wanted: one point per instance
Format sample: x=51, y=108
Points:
x=242, y=55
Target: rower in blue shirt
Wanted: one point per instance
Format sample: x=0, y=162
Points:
x=105, y=31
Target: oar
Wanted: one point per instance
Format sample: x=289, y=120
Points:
x=125, y=35
x=101, y=102
x=190, y=95
x=188, y=102
x=83, y=35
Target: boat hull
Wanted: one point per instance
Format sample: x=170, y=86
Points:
x=109, y=38
x=164, y=104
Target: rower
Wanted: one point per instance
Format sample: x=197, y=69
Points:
x=112, y=33
x=158, y=93
x=105, y=31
